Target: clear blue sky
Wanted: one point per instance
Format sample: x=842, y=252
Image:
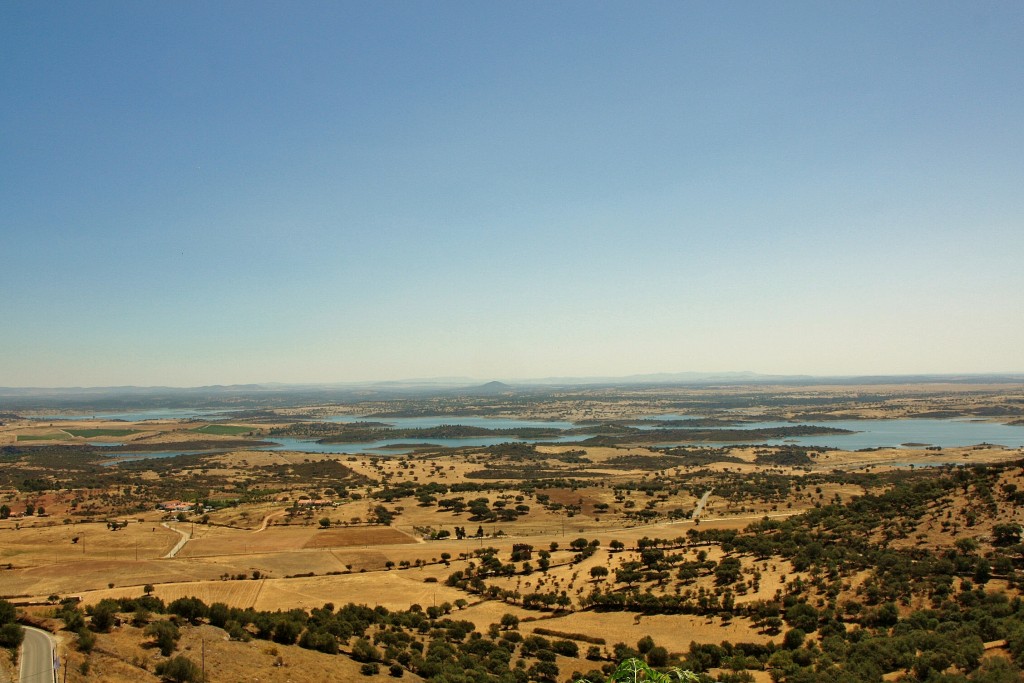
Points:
x=222, y=192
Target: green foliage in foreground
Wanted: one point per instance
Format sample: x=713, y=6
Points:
x=636, y=671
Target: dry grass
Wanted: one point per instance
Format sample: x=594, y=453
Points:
x=211, y=541
x=396, y=590
x=367, y=536
x=119, y=658
x=674, y=632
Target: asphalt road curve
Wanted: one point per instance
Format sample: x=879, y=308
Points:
x=37, y=657
x=701, y=503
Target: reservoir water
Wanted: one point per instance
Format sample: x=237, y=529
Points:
x=402, y=445
x=869, y=433
x=427, y=421
x=948, y=433
x=866, y=434
x=394, y=446
x=893, y=433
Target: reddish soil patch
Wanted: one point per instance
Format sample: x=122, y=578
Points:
x=339, y=538
x=586, y=498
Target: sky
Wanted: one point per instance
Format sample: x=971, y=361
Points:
x=198, y=193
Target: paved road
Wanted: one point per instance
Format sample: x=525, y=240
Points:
x=181, y=544
x=37, y=657
x=701, y=503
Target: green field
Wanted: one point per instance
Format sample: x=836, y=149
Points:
x=88, y=433
x=42, y=437
x=228, y=430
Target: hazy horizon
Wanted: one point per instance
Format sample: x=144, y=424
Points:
x=230, y=193
x=667, y=378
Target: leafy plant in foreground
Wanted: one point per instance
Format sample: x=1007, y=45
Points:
x=636, y=671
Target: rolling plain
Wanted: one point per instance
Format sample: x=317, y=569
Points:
x=677, y=526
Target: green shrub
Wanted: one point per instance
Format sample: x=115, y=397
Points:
x=165, y=635
x=86, y=640
x=181, y=669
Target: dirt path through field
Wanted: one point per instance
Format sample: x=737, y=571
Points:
x=266, y=520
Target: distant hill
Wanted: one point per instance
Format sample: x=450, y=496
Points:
x=490, y=389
